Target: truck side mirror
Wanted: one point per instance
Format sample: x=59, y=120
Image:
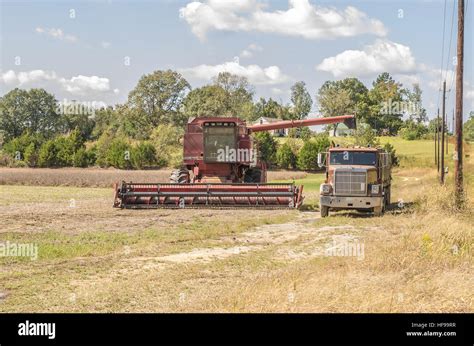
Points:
x=320, y=160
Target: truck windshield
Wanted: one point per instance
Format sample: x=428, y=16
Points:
x=352, y=158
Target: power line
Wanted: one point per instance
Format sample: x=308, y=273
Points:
x=450, y=39
x=448, y=57
x=442, y=51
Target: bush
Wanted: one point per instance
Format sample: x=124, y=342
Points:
x=411, y=130
x=31, y=155
x=119, y=154
x=393, y=154
x=61, y=151
x=80, y=158
x=48, y=154
x=101, y=148
x=366, y=136
x=168, y=145
x=308, y=155
x=266, y=146
x=143, y=155
x=25, y=148
x=6, y=159
x=285, y=156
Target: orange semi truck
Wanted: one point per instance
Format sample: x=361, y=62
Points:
x=356, y=178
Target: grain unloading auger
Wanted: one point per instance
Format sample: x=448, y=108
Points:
x=221, y=168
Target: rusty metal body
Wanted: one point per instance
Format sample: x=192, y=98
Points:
x=221, y=168
x=356, y=178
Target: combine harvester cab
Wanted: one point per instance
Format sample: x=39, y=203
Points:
x=221, y=169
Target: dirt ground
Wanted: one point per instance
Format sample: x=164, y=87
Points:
x=99, y=177
x=94, y=258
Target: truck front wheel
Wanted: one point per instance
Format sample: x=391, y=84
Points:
x=324, y=210
x=378, y=211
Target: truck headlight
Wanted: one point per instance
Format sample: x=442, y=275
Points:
x=375, y=189
x=325, y=189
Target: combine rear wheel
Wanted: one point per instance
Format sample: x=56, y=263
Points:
x=179, y=176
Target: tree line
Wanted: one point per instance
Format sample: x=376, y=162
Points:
x=145, y=131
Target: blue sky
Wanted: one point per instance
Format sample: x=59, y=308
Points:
x=79, y=49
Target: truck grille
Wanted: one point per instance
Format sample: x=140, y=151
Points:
x=350, y=183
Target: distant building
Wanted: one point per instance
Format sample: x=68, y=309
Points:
x=265, y=120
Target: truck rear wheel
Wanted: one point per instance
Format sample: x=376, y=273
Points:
x=387, y=197
x=324, y=210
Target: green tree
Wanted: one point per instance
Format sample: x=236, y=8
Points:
x=308, y=155
x=285, y=157
x=25, y=148
x=266, y=146
x=34, y=110
x=158, y=97
x=412, y=130
x=334, y=101
x=143, y=155
x=366, y=136
x=301, y=100
x=83, y=122
x=416, y=112
x=48, y=154
x=119, y=154
x=468, y=130
x=271, y=109
x=393, y=154
x=209, y=100
x=239, y=94
x=105, y=119
x=167, y=140
x=386, y=98
x=347, y=96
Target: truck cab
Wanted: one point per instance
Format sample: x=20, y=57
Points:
x=356, y=178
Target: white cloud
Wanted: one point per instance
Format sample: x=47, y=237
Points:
x=77, y=85
x=300, y=19
x=21, y=78
x=254, y=73
x=246, y=54
x=249, y=51
x=56, y=33
x=82, y=84
x=105, y=44
x=382, y=56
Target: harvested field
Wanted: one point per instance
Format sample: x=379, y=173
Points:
x=418, y=257
x=99, y=177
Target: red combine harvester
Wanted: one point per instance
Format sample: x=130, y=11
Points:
x=221, y=168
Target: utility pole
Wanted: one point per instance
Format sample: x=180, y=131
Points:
x=458, y=176
x=453, y=130
x=437, y=140
x=447, y=134
x=443, y=111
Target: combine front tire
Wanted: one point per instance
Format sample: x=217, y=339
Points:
x=253, y=175
x=179, y=176
x=324, y=210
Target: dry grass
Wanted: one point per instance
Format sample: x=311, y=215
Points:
x=99, y=177
x=94, y=258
